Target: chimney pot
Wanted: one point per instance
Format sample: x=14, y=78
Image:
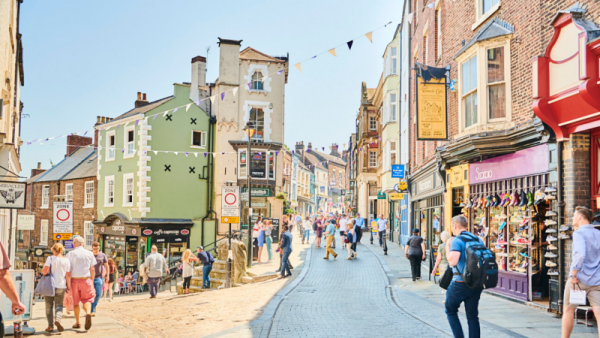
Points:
x=98, y=119
x=39, y=165
x=139, y=96
x=144, y=97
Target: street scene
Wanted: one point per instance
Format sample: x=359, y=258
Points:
x=410, y=168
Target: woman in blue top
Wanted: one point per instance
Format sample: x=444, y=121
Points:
x=352, y=238
x=261, y=237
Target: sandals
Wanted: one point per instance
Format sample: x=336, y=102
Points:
x=77, y=326
x=59, y=326
x=88, y=322
x=49, y=329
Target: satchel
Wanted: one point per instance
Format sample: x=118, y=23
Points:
x=577, y=297
x=446, y=278
x=45, y=286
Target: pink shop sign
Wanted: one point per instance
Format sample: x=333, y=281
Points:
x=522, y=163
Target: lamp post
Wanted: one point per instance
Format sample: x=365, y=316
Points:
x=250, y=130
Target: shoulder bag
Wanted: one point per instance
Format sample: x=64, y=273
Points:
x=446, y=278
x=45, y=286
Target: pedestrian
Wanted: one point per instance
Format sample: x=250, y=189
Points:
x=285, y=221
x=458, y=292
x=155, y=264
x=83, y=271
x=281, y=253
x=269, y=240
x=8, y=287
x=188, y=269
x=261, y=238
x=334, y=219
x=135, y=277
x=101, y=270
x=108, y=290
x=256, y=231
x=128, y=281
x=382, y=227
x=207, y=261
x=306, y=225
x=353, y=236
x=343, y=229
x=286, y=249
x=329, y=236
x=61, y=275
x=414, y=250
x=585, y=261
x=319, y=231
x=298, y=224
x=441, y=261
x=360, y=222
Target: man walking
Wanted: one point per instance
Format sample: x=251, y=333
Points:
x=207, y=261
x=584, y=267
x=100, y=273
x=360, y=222
x=382, y=227
x=286, y=249
x=155, y=263
x=458, y=291
x=298, y=221
x=329, y=237
x=83, y=271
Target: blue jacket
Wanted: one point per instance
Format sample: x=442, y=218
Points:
x=286, y=242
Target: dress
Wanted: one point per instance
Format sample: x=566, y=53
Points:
x=261, y=238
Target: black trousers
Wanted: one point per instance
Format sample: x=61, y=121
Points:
x=415, y=265
x=186, y=282
x=353, y=247
x=381, y=237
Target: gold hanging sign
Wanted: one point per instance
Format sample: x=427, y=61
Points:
x=431, y=110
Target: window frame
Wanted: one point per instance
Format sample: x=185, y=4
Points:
x=107, y=179
x=202, y=139
x=45, y=191
x=266, y=154
x=372, y=159
x=110, y=147
x=372, y=123
x=44, y=229
x=393, y=104
x=258, y=81
x=88, y=234
x=125, y=194
x=480, y=16
x=127, y=143
x=67, y=186
x=259, y=135
x=88, y=203
x=393, y=60
x=473, y=91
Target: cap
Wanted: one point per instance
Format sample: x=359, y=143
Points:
x=416, y=231
x=200, y=247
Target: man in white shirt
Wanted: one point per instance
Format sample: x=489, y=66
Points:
x=382, y=227
x=155, y=263
x=82, y=281
x=343, y=229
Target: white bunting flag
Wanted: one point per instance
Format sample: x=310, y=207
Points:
x=175, y=152
x=165, y=114
x=196, y=154
x=431, y=5
x=214, y=155
x=409, y=17
x=234, y=91
x=188, y=107
x=155, y=152
x=212, y=99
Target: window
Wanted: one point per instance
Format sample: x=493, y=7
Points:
x=198, y=139
x=109, y=200
x=69, y=192
x=496, y=87
x=257, y=81
x=44, y=232
x=263, y=164
x=438, y=34
x=88, y=234
x=372, y=123
x=469, y=91
x=128, y=190
x=394, y=59
x=393, y=107
x=487, y=5
x=242, y=170
x=110, y=146
x=372, y=159
x=130, y=142
x=392, y=152
x=257, y=117
x=271, y=165
x=89, y=194
x=45, y=196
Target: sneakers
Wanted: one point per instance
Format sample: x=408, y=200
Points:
x=501, y=242
x=502, y=254
x=523, y=241
x=564, y=228
x=550, y=231
x=550, y=222
x=524, y=255
x=501, y=226
x=550, y=255
x=551, y=238
x=564, y=236
x=550, y=189
x=550, y=213
x=552, y=247
x=522, y=198
x=503, y=216
x=552, y=272
x=550, y=264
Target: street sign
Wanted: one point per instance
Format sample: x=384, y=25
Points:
x=396, y=189
x=397, y=170
x=26, y=222
x=63, y=218
x=452, y=85
x=12, y=195
x=402, y=185
x=230, y=204
x=63, y=237
x=69, y=245
x=232, y=219
x=381, y=195
x=396, y=196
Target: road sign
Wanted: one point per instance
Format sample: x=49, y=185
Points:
x=26, y=222
x=396, y=196
x=63, y=218
x=232, y=219
x=230, y=202
x=452, y=85
x=397, y=170
x=62, y=237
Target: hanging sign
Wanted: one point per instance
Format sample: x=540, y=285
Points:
x=396, y=196
x=26, y=222
x=397, y=170
x=12, y=195
x=431, y=109
x=402, y=185
x=63, y=218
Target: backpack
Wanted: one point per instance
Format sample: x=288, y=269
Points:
x=481, y=269
x=315, y=226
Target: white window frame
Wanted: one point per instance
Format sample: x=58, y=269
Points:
x=202, y=139
x=481, y=17
x=393, y=61
x=44, y=232
x=129, y=153
x=258, y=80
x=372, y=159
x=88, y=194
x=69, y=192
x=125, y=192
x=372, y=123
x=393, y=104
x=463, y=96
x=88, y=234
x=45, y=197
x=110, y=150
x=107, y=180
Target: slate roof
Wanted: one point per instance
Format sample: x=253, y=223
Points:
x=313, y=160
x=579, y=15
x=87, y=168
x=492, y=29
x=144, y=109
x=252, y=54
x=69, y=167
x=331, y=158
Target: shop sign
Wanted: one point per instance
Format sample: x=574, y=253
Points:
x=63, y=217
x=402, y=185
x=256, y=192
x=425, y=184
x=62, y=237
x=431, y=109
x=165, y=232
x=131, y=239
x=381, y=195
x=12, y=195
x=397, y=170
x=26, y=222
x=522, y=163
x=457, y=176
x=396, y=196
x=69, y=244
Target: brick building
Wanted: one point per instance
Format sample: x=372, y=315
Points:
x=72, y=179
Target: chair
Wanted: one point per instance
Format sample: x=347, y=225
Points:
x=587, y=310
x=139, y=287
x=121, y=287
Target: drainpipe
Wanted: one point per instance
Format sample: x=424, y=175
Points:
x=561, y=255
x=209, y=180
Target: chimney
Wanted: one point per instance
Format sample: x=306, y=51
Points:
x=334, y=150
x=309, y=146
x=140, y=102
x=198, y=78
x=229, y=60
x=98, y=122
x=300, y=150
x=76, y=141
x=38, y=170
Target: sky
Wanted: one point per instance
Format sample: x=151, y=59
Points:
x=84, y=59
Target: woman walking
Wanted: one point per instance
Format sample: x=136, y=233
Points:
x=269, y=240
x=108, y=289
x=60, y=267
x=261, y=237
x=306, y=230
x=188, y=269
x=414, y=250
x=319, y=231
x=442, y=259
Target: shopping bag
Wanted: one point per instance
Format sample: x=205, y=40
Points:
x=577, y=297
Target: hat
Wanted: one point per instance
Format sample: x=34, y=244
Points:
x=416, y=231
x=596, y=214
x=200, y=247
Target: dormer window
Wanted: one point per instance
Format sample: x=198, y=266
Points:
x=257, y=81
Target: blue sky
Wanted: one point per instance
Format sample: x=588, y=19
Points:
x=83, y=59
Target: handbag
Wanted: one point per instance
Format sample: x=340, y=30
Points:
x=45, y=286
x=577, y=297
x=446, y=278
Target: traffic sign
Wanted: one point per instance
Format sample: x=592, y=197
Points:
x=452, y=85
x=230, y=202
x=397, y=170
x=63, y=237
x=232, y=219
x=63, y=218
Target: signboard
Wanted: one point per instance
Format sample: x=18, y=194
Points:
x=69, y=245
x=402, y=185
x=230, y=219
x=524, y=162
x=452, y=85
x=256, y=192
x=62, y=237
x=431, y=109
x=26, y=222
x=170, y=234
x=63, y=217
x=381, y=195
x=397, y=170
x=230, y=204
x=396, y=196
x=23, y=280
x=12, y=195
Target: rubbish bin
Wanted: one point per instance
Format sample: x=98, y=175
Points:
x=255, y=250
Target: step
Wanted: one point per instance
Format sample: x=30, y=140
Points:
x=218, y=274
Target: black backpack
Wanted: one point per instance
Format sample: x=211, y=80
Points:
x=481, y=269
x=315, y=226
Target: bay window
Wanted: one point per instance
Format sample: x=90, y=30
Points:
x=393, y=107
x=264, y=164
x=469, y=92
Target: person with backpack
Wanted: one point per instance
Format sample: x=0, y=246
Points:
x=414, y=250
x=475, y=268
x=207, y=261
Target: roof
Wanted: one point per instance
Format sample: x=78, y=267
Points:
x=252, y=54
x=88, y=168
x=143, y=109
x=313, y=160
x=34, y=178
x=492, y=29
x=370, y=93
x=578, y=14
x=68, y=166
x=331, y=158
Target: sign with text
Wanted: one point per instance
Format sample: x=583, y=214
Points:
x=397, y=170
x=396, y=196
x=26, y=222
x=63, y=218
x=230, y=202
x=24, y=285
x=12, y=195
x=230, y=219
x=62, y=237
x=524, y=162
x=431, y=109
x=256, y=192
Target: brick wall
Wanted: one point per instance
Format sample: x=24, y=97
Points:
x=76, y=141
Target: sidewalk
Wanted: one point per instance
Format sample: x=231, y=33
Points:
x=500, y=313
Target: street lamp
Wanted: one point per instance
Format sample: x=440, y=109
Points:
x=250, y=131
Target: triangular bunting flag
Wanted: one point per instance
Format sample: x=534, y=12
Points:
x=188, y=107
x=370, y=36
x=196, y=154
x=204, y=155
x=332, y=51
x=234, y=91
x=431, y=5
x=214, y=155
x=222, y=96
x=212, y=99
x=349, y=43
x=118, y=125
x=250, y=85
x=298, y=67
x=174, y=111
x=175, y=152
x=198, y=103
x=136, y=122
x=155, y=152
x=186, y=154
x=410, y=17
x=279, y=72
x=165, y=114
x=146, y=118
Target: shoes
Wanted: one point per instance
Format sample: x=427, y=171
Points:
x=551, y=238
x=501, y=226
x=523, y=241
x=327, y=258
x=550, y=231
x=550, y=255
x=524, y=222
x=564, y=228
x=564, y=236
x=498, y=200
x=550, y=222
x=552, y=272
x=552, y=247
x=550, y=264
x=550, y=189
x=550, y=213
x=524, y=255
x=539, y=197
x=502, y=254
x=501, y=242
x=522, y=198
x=530, y=199
x=506, y=200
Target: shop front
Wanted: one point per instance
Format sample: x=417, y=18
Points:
x=171, y=238
x=457, y=189
x=121, y=242
x=261, y=204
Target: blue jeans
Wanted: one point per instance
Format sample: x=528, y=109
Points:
x=457, y=293
x=98, y=283
x=269, y=241
x=153, y=285
x=306, y=235
x=206, y=275
x=285, y=266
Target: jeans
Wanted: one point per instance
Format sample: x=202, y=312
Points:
x=381, y=238
x=285, y=265
x=98, y=283
x=328, y=249
x=269, y=241
x=153, y=285
x=415, y=265
x=457, y=293
x=206, y=275
x=55, y=303
x=306, y=236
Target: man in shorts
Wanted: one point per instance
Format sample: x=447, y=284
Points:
x=83, y=271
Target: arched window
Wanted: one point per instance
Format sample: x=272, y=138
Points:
x=257, y=82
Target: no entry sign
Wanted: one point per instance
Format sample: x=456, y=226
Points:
x=230, y=203
x=63, y=218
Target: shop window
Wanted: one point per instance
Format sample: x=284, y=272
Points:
x=469, y=80
x=110, y=146
x=271, y=165
x=44, y=232
x=88, y=234
x=258, y=165
x=198, y=139
x=69, y=192
x=257, y=117
x=89, y=194
x=496, y=86
x=257, y=81
x=45, y=196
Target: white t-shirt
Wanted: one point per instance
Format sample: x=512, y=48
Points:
x=60, y=267
x=343, y=224
x=381, y=224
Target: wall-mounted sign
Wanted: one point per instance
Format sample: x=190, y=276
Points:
x=396, y=196
x=62, y=237
x=63, y=218
x=26, y=222
x=12, y=195
x=524, y=162
x=402, y=185
x=397, y=170
x=256, y=192
x=69, y=245
x=431, y=109
x=381, y=195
